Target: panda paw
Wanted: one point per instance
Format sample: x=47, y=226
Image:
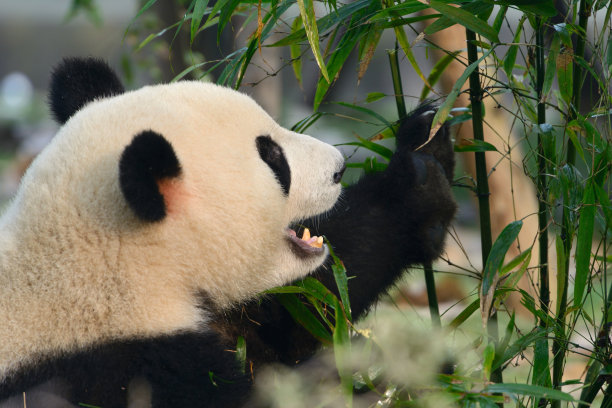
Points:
x=422, y=170
x=414, y=136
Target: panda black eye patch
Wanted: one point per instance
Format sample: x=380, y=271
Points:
x=274, y=156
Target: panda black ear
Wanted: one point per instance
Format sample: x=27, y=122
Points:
x=78, y=81
x=149, y=159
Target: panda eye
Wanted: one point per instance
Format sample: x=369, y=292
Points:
x=274, y=156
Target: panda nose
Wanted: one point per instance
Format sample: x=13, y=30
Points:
x=338, y=174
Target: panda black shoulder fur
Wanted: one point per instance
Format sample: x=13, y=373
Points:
x=140, y=236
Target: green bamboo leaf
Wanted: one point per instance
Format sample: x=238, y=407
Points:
x=401, y=9
x=367, y=47
x=488, y=356
x=374, y=96
x=473, y=145
x=499, y=18
x=319, y=291
x=196, y=18
x=241, y=353
x=510, y=58
x=269, y=22
x=437, y=71
x=312, y=33
x=528, y=389
x=503, y=344
x=609, y=55
x=551, y=64
x=374, y=147
x=337, y=59
x=541, y=370
x=326, y=22
x=561, y=270
x=225, y=15
x=142, y=10
x=296, y=52
x=368, y=112
x=466, y=19
x=465, y=314
x=304, y=316
x=400, y=34
x=444, y=110
x=519, y=346
x=479, y=9
x=490, y=274
x=498, y=253
x=342, y=351
x=584, y=243
x=565, y=62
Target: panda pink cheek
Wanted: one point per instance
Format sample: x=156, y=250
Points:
x=174, y=194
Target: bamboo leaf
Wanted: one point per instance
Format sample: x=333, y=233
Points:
x=196, y=18
x=473, y=145
x=374, y=96
x=336, y=61
x=325, y=22
x=494, y=263
x=561, y=271
x=341, y=281
x=444, y=110
x=565, y=64
x=368, y=112
x=488, y=357
x=225, y=15
x=144, y=8
x=312, y=33
x=479, y=9
x=551, y=65
x=465, y=314
x=584, y=243
x=510, y=58
x=400, y=34
x=466, y=19
x=374, y=147
x=241, y=353
x=528, y=389
x=367, y=48
x=342, y=350
x=304, y=316
x=437, y=71
x=296, y=51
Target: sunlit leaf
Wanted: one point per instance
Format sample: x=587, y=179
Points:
x=312, y=33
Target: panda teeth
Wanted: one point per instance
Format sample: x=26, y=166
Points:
x=314, y=241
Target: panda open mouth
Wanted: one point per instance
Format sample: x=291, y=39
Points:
x=306, y=245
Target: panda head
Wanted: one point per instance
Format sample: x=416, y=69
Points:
x=189, y=185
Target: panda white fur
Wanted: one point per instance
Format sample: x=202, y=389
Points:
x=141, y=234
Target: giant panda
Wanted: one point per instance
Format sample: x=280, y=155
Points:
x=140, y=238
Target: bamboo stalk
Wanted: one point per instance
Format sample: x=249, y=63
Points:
x=397, y=82
x=482, y=183
x=432, y=298
x=542, y=187
x=559, y=348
